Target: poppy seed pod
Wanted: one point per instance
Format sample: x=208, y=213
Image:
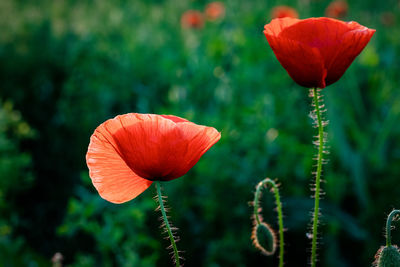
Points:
x=316, y=51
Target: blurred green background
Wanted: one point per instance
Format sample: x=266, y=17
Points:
x=67, y=66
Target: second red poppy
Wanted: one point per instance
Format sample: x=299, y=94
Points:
x=316, y=51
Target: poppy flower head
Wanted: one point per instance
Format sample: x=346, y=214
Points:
x=127, y=153
x=337, y=9
x=192, y=19
x=316, y=51
x=283, y=12
x=215, y=11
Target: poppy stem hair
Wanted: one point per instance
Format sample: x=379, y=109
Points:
x=317, y=115
x=166, y=224
x=260, y=226
x=392, y=216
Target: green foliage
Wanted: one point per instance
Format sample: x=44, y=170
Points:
x=14, y=164
x=67, y=66
x=117, y=234
x=16, y=177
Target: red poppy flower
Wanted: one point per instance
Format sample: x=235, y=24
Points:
x=337, y=9
x=316, y=51
x=127, y=153
x=283, y=12
x=192, y=19
x=215, y=10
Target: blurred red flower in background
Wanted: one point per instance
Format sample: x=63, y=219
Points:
x=283, y=12
x=337, y=9
x=388, y=19
x=127, y=153
x=215, y=10
x=192, y=19
x=316, y=51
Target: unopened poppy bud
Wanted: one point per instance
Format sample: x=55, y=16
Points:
x=388, y=257
x=264, y=238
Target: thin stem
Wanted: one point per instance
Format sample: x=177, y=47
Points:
x=257, y=195
x=167, y=225
x=389, y=226
x=256, y=202
x=280, y=219
x=317, y=178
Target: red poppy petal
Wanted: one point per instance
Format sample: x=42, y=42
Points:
x=158, y=148
x=174, y=118
x=196, y=140
x=292, y=54
x=143, y=144
x=316, y=32
x=110, y=175
x=328, y=35
x=321, y=33
x=353, y=42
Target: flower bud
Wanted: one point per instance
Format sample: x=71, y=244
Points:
x=264, y=238
x=387, y=257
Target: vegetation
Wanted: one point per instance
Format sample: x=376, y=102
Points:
x=67, y=66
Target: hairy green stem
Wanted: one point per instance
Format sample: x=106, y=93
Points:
x=256, y=201
x=317, y=177
x=389, y=226
x=257, y=195
x=167, y=225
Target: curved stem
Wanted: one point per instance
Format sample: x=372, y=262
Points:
x=318, y=176
x=256, y=202
x=167, y=225
x=389, y=226
x=257, y=195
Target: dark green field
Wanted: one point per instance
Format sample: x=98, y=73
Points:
x=67, y=66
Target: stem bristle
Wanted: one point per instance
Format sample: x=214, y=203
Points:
x=167, y=226
x=319, y=122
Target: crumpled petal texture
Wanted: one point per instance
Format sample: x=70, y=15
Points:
x=316, y=51
x=130, y=151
